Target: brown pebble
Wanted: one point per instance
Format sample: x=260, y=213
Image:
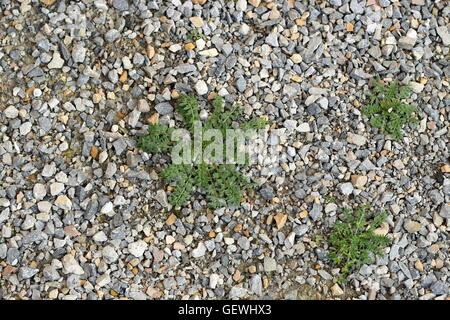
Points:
x=237, y=276
x=419, y=266
x=94, y=152
x=171, y=219
x=150, y=52
x=123, y=76
x=280, y=220
x=48, y=2
x=189, y=46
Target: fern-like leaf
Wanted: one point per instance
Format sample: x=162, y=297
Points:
x=187, y=106
x=158, y=139
x=352, y=240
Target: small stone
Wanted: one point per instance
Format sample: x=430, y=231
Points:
x=443, y=32
x=411, y=226
x=316, y=212
x=296, y=58
x=78, y=53
x=241, y=5
x=244, y=29
x=418, y=52
x=139, y=59
x=108, y=208
x=48, y=170
x=336, y=290
x=27, y=273
x=437, y=219
x=103, y=280
x=121, y=5
x=150, y=51
x=196, y=21
x=445, y=211
x=101, y=5
x=126, y=62
x=290, y=124
x=256, y=284
x=346, y=188
x=349, y=27
x=418, y=265
x=201, y=87
x=175, y=47
x=4, y=202
x=137, y=248
x=189, y=46
x=241, y=84
x=171, y=219
x=109, y=254
x=50, y=273
x=439, y=288
x=255, y=3
x=280, y=220
x=100, y=237
x=406, y=43
x=133, y=117
x=124, y=76
x=359, y=181
x=185, y=68
x=161, y=197
x=28, y=222
x=39, y=191
x=356, y=7
x=94, y=152
x=111, y=169
x=409, y=40
x=25, y=128
x=356, y=139
x=382, y=230
x=416, y=87
x=375, y=52
x=63, y=202
x=57, y=62
x=112, y=35
x=11, y=112
x=199, y=251
x=56, y=188
x=304, y=127
x=301, y=230
x=164, y=108
x=213, y=280
x=267, y=193
x=71, y=265
x=201, y=44
x=44, y=206
x=272, y=39
x=270, y=264
x=237, y=293
x=203, y=115
x=209, y=52
x=48, y=2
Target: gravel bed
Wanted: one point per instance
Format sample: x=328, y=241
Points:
x=84, y=213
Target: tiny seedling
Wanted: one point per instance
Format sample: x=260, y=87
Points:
x=352, y=240
x=196, y=35
x=386, y=110
x=222, y=184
